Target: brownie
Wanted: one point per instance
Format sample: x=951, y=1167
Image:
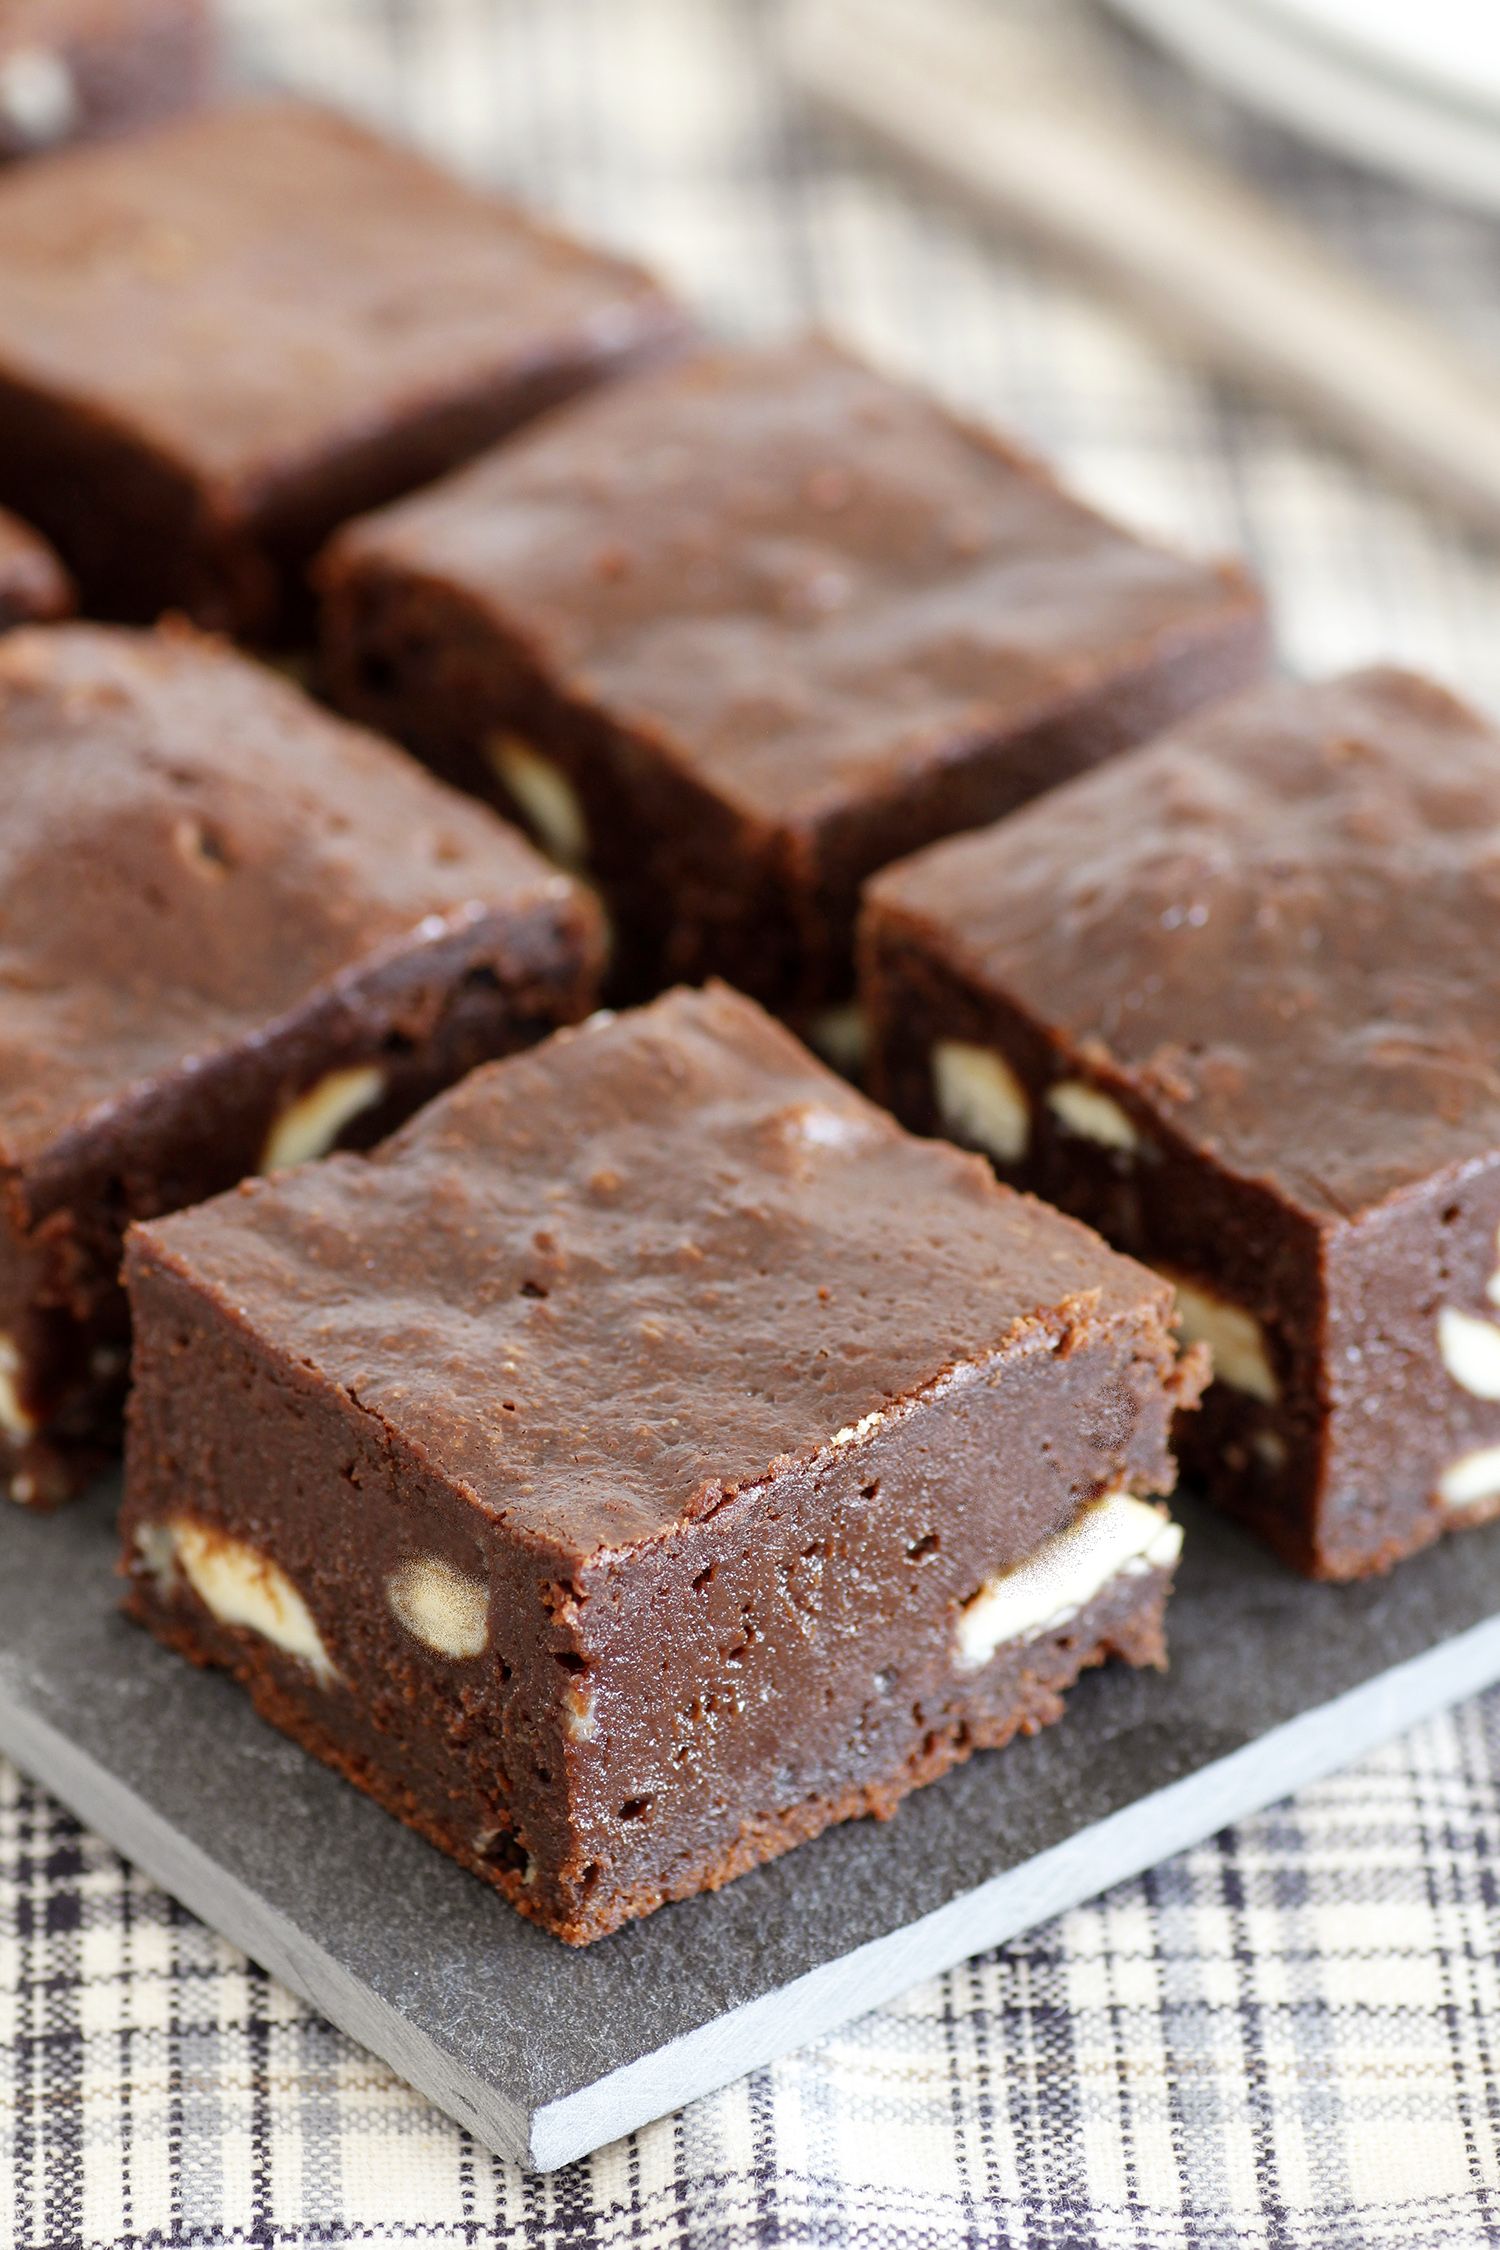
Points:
x=34, y=587
x=220, y=339
x=649, y=1456
x=84, y=70
x=234, y=930
x=747, y=628
x=1230, y=1001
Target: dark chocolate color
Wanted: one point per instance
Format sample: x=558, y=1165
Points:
x=214, y=895
x=727, y=1394
x=85, y=70
x=1265, y=940
x=34, y=587
x=778, y=619
x=220, y=339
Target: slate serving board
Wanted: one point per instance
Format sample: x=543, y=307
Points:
x=545, y=2053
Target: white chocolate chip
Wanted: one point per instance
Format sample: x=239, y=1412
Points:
x=310, y=1125
x=1114, y=1536
x=1269, y=1449
x=242, y=1587
x=852, y=1432
x=15, y=1420
x=841, y=1036
x=980, y=1096
x=441, y=1605
x=1235, y=1339
x=1473, y=1477
x=38, y=99
x=1470, y=1350
x=548, y=802
x=578, y=1714
x=1082, y=1109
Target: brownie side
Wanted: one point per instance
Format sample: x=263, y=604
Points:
x=34, y=587
x=698, y=882
x=331, y=321
x=85, y=70
x=694, y=884
x=938, y=1036
x=379, y=1042
x=604, y=1733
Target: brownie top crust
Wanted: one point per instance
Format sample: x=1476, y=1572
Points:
x=1272, y=924
x=33, y=583
x=265, y=283
x=603, y=1285
x=803, y=579
x=190, y=848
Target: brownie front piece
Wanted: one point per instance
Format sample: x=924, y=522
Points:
x=751, y=626
x=34, y=587
x=219, y=339
x=232, y=931
x=1232, y=1001
x=649, y=1456
x=84, y=70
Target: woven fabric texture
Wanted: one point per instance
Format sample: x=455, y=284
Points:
x=1286, y=2037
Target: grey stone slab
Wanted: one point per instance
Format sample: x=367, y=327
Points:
x=545, y=2053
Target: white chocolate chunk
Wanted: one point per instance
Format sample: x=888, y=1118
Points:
x=852, y=1432
x=14, y=1417
x=441, y=1605
x=1470, y=1350
x=1473, y=1477
x=841, y=1036
x=550, y=805
x=240, y=1586
x=578, y=1714
x=310, y=1125
x=38, y=99
x=1082, y=1109
x=1116, y=1535
x=980, y=1096
x=1235, y=1339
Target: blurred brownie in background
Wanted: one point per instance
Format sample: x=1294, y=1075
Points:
x=220, y=339
x=1233, y=1001
x=235, y=931
x=746, y=628
x=34, y=587
x=86, y=70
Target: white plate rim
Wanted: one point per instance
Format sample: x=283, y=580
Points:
x=1387, y=124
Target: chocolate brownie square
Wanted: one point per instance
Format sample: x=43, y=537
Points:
x=234, y=930
x=84, y=70
x=647, y=1457
x=747, y=628
x=219, y=339
x=34, y=587
x=1231, y=1001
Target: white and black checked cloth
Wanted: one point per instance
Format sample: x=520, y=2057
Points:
x=1288, y=2037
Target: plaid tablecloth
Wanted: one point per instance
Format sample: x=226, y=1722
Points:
x=1287, y=2037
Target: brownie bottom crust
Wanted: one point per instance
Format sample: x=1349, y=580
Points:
x=1017, y=1689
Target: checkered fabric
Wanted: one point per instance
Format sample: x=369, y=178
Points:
x=1287, y=2037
